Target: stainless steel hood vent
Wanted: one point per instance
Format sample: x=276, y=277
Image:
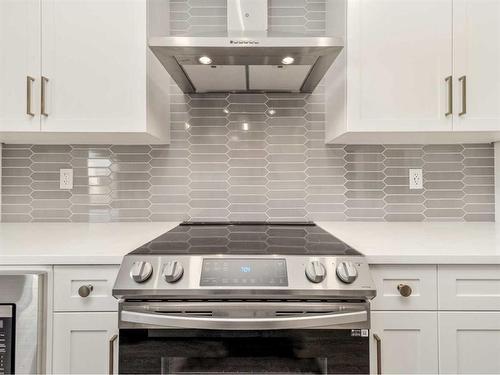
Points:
x=247, y=58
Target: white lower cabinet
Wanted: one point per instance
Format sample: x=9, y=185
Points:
x=82, y=342
x=456, y=333
x=408, y=342
x=469, y=342
x=416, y=337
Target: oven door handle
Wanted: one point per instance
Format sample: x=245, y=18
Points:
x=196, y=322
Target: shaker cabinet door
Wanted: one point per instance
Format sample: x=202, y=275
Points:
x=19, y=65
x=82, y=342
x=94, y=62
x=399, y=55
x=469, y=342
x=408, y=342
x=476, y=28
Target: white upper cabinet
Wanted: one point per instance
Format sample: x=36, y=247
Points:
x=416, y=71
x=399, y=54
x=476, y=26
x=94, y=57
x=95, y=80
x=19, y=65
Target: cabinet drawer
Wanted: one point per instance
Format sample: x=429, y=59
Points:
x=463, y=287
x=99, y=280
x=421, y=279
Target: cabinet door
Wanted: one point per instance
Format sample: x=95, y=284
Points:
x=82, y=342
x=399, y=55
x=469, y=342
x=19, y=60
x=94, y=56
x=476, y=25
x=408, y=342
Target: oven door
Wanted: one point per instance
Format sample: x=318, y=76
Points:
x=244, y=337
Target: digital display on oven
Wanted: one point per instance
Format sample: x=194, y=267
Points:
x=243, y=272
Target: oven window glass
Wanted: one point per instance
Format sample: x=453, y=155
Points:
x=243, y=352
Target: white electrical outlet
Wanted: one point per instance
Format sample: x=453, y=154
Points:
x=66, y=179
x=416, y=179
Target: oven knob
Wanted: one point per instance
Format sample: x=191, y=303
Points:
x=315, y=271
x=172, y=271
x=141, y=271
x=347, y=272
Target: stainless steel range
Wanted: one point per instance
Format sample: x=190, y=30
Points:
x=244, y=298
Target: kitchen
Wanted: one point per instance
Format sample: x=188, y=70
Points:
x=338, y=155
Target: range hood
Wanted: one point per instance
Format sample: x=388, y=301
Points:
x=246, y=58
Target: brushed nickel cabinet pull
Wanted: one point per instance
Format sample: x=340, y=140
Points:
x=449, y=80
x=43, y=110
x=463, y=79
x=29, y=84
x=111, y=354
x=405, y=290
x=379, y=353
x=85, y=290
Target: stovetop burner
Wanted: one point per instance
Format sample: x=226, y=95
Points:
x=249, y=238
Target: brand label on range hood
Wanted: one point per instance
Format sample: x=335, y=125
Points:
x=244, y=42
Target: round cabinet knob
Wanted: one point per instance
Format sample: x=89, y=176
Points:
x=85, y=290
x=172, y=271
x=141, y=271
x=315, y=271
x=405, y=290
x=347, y=272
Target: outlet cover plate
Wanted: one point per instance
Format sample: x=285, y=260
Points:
x=66, y=179
x=416, y=180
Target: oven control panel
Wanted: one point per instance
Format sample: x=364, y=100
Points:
x=243, y=276
x=243, y=272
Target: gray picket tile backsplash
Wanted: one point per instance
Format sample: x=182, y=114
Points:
x=247, y=166
x=247, y=157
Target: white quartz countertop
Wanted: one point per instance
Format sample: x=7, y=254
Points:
x=403, y=243
x=421, y=243
x=74, y=243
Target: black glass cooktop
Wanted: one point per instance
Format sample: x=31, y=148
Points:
x=247, y=238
